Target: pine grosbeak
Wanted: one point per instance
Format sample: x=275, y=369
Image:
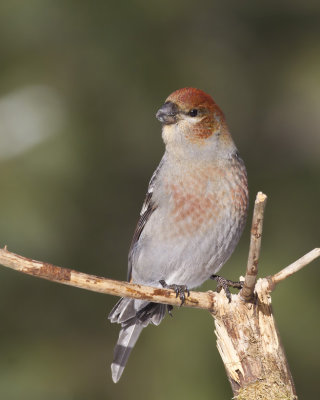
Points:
x=193, y=215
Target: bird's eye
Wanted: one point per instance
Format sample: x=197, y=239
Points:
x=193, y=112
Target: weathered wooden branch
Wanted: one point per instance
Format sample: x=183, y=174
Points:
x=294, y=267
x=70, y=277
x=247, y=338
x=99, y=284
x=250, y=347
x=254, y=251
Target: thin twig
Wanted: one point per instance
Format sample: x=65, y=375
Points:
x=204, y=300
x=246, y=292
x=293, y=268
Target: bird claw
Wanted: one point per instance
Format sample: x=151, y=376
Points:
x=225, y=283
x=181, y=290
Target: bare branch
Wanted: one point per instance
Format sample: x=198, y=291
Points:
x=251, y=349
x=204, y=300
x=239, y=326
x=294, y=267
x=246, y=292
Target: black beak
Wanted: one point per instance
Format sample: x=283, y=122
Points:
x=167, y=114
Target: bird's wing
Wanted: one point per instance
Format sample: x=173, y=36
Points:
x=147, y=209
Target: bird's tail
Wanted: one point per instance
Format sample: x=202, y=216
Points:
x=133, y=315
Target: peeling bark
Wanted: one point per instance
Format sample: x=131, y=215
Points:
x=247, y=337
x=250, y=347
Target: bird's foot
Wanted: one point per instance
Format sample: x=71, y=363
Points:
x=225, y=283
x=181, y=290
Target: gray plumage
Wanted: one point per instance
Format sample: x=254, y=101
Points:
x=193, y=214
x=133, y=315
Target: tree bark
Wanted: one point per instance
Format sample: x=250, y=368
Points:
x=250, y=347
x=247, y=337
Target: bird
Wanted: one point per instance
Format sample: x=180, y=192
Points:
x=193, y=215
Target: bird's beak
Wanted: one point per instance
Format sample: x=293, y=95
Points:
x=167, y=114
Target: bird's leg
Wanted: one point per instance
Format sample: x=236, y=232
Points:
x=225, y=283
x=180, y=290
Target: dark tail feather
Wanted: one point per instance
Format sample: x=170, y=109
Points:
x=133, y=315
x=127, y=339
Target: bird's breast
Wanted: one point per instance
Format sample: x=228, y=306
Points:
x=203, y=199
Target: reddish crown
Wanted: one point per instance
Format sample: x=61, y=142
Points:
x=194, y=98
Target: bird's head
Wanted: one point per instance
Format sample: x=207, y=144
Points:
x=193, y=123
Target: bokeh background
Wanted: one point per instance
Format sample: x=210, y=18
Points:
x=80, y=83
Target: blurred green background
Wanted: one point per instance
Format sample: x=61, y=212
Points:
x=80, y=83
